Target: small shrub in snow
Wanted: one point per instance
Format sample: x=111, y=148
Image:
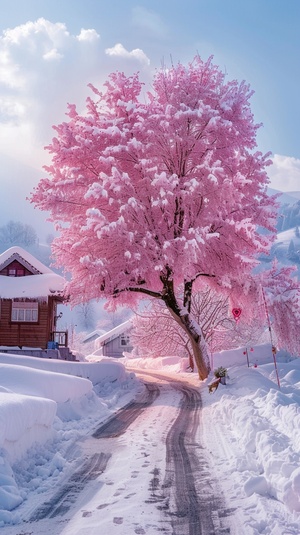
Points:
x=221, y=372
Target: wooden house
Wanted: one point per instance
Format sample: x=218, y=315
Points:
x=29, y=295
x=114, y=342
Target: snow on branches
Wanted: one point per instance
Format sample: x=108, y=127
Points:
x=153, y=195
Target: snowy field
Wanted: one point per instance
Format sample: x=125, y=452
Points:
x=251, y=430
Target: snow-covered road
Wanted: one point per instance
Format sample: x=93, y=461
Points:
x=166, y=485
x=168, y=462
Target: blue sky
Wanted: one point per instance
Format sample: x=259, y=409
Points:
x=47, y=58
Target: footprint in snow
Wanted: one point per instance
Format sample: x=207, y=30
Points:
x=118, y=520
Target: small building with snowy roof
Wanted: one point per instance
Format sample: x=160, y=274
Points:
x=114, y=342
x=29, y=295
x=93, y=336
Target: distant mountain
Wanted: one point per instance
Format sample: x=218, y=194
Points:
x=289, y=197
x=295, y=194
x=289, y=209
x=286, y=250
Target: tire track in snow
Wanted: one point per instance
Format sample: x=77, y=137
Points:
x=118, y=424
x=189, y=493
x=199, y=507
x=65, y=498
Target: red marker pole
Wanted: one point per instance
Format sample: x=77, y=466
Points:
x=270, y=332
x=246, y=353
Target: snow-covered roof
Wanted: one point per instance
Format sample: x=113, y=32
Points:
x=43, y=283
x=94, y=335
x=116, y=331
x=17, y=253
x=31, y=286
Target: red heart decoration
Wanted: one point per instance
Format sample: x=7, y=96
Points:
x=236, y=313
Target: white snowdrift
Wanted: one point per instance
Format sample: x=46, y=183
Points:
x=34, y=382
x=259, y=431
x=94, y=371
x=24, y=420
x=44, y=401
x=171, y=363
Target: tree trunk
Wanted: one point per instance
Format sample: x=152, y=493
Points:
x=182, y=317
x=202, y=367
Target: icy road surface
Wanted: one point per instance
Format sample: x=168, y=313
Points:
x=166, y=484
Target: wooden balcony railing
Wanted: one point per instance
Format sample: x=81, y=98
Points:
x=60, y=338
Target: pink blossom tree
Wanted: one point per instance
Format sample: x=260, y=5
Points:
x=152, y=193
x=156, y=333
x=272, y=297
x=279, y=304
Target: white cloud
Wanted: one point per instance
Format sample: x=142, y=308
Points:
x=285, y=173
x=10, y=76
x=36, y=35
x=10, y=108
x=121, y=52
x=88, y=35
x=149, y=21
x=23, y=50
x=53, y=54
x=42, y=68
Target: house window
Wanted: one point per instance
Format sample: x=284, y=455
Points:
x=19, y=272
x=124, y=340
x=24, y=311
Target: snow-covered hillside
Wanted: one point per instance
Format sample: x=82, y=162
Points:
x=287, y=248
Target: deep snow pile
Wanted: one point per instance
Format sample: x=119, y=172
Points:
x=252, y=429
x=43, y=411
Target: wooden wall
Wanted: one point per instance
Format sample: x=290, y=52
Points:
x=25, y=334
x=15, y=265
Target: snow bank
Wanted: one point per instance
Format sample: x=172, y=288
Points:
x=49, y=404
x=55, y=386
x=257, y=426
x=260, y=354
x=10, y=496
x=172, y=364
x=24, y=420
x=94, y=371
